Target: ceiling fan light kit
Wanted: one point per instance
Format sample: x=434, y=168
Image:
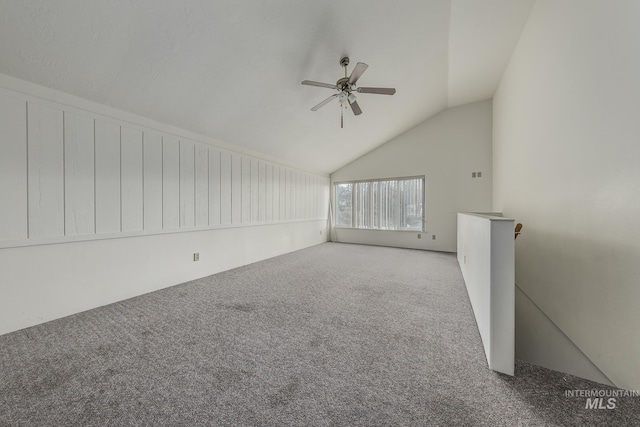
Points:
x=346, y=86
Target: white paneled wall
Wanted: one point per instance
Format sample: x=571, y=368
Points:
x=13, y=169
x=68, y=174
x=107, y=188
x=79, y=175
x=45, y=171
x=152, y=181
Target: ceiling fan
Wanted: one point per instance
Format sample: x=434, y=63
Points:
x=346, y=86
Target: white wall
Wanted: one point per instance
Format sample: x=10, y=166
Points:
x=446, y=149
x=97, y=205
x=566, y=165
x=486, y=259
x=539, y=341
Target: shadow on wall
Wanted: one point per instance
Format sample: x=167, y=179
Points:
x=588, y=289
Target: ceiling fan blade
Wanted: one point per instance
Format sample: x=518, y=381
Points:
x=358, y=71
x=323, y=103
x=318, y=84
x=355, y=108
x=378, y=90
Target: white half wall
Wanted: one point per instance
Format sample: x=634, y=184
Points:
x=486, y=259
x=446, y=149
x=565, y=158
x=98, y=205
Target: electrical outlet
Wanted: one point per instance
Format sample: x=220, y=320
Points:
x=321, y=232
x=433, y=237
x=473, y=174
x=419, y=236
x=479, y=175
x=196, y=256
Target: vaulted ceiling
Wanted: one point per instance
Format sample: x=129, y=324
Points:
x=231, y=70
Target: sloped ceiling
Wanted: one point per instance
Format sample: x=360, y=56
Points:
x=231, y=70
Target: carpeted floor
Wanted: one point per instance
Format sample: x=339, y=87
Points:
x=336, y=334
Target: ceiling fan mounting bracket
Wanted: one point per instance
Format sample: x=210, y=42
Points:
x=344, y=61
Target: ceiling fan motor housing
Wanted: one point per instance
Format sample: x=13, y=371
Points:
x=343, y=84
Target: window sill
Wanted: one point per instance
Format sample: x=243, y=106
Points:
x=377, y=229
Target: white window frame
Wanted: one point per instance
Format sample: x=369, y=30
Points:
x=371, y=219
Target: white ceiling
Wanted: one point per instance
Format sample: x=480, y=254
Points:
x=232, y=69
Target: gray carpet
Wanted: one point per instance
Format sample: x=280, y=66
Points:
x=336, y=334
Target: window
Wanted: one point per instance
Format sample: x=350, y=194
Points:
x=381, y=204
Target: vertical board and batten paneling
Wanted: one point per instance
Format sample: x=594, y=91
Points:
x=313, y=182
x=320, y=198
x=236, y=189
x=283, y=194
x=286, y=192
x=298, y=195
x=319, y=195
x=305, y=191
x=13, y=169
x=187, y=184
x=309, y=196
x=294, y=194
x=255, y=191
x=303, y=195
x=152, y=167
x=291, y=193
x=202, y=171
x=262, y=191
x=314, y=197
x=316, y=200
x=68, y=174
x=276, y=193
x=268, y=192
x=170, y=183
x=107, y=173
x=313, y=202
x=46, y=171
x=132, y=187
x=309, y=191
x=298, y=211
x=246, y=190
x=300, y=189
x=79, y=175
x=214, y=187
x=225, y=188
